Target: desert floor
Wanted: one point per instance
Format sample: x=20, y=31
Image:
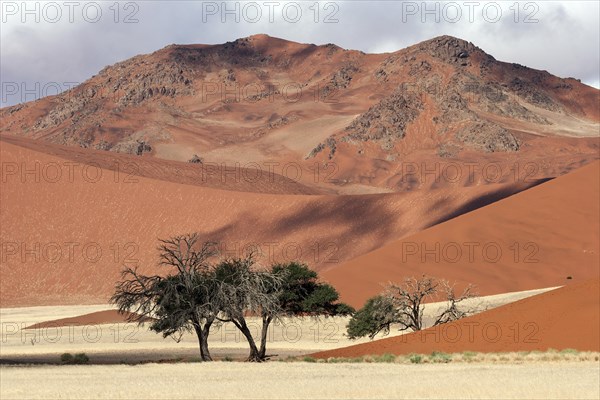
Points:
x=125, y=364
x=129, y=343
x=233, y=380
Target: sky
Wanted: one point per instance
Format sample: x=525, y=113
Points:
x=50, y=46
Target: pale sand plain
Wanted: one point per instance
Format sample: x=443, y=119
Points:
x=130, y=343
x=300, y=380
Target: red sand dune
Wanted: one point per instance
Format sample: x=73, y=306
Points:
x=95, y=318
x=212, y=175
x=568, y=317
x=541, y=235
x=64, y=241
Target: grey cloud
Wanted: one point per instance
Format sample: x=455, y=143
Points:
x=565, y=41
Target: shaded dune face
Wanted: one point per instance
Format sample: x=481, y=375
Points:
x=73, y=232
x=95, y=318
x=545, y=236
x=565, y=318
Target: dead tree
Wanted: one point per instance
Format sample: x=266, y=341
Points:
x=408, y=299
x=451, y=311
x=244, y=290
x=178, y=302
x=403, y=305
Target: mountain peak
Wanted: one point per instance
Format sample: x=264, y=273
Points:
x=249, y=83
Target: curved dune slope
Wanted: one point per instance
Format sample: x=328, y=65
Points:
x=536, y=238
x=95, y=318
x=234, y=177
x=67, y=229
x=565, y=318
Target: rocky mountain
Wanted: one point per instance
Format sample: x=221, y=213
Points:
x=262, y=98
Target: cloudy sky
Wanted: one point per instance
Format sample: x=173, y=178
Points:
x=46, y=46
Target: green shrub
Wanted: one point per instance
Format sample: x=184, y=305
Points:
x=385, y=358
x=415, y=358
x=355, y=360
x=81, y=358
x=376, y=316
x=309, y=359
x=66, y=358
x=569, y=351
x=440, y=357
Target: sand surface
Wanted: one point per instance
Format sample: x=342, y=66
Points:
x=113, y=341
x=80, y=229
x=536, y=238
x=580, y=380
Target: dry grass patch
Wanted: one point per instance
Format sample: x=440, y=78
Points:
x=569, y=355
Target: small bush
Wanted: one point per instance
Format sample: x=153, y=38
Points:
x=415, y=358
x=385, y=358
x=66, y=358
x=81, y=358
x=227, y=358
x=439, y=357
x=309, y=359
x=569, y=351
x=355, y=360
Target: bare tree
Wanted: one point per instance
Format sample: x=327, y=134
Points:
x=408, y=299
x=244, y=290
x=452, y=311
x=403, y=305
x=178, y=302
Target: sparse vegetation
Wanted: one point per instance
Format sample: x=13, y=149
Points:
x=179, y=302
x=79, y=358
x=440, y=357
x=415, y=358
x=301, y=295
x=569, y=351
x=199, y=294
x=437, y=357
x=402, y=305
x=385, y=358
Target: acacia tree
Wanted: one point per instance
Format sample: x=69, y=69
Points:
x=196, y=294
x=403, y=305
x=300, y=294
x=377, y=315
x=244, y=290
x=177, y=302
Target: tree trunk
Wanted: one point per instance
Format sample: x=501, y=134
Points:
x=202, y=333
x=204, y=343
x=254, y=355
x=263, y=337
